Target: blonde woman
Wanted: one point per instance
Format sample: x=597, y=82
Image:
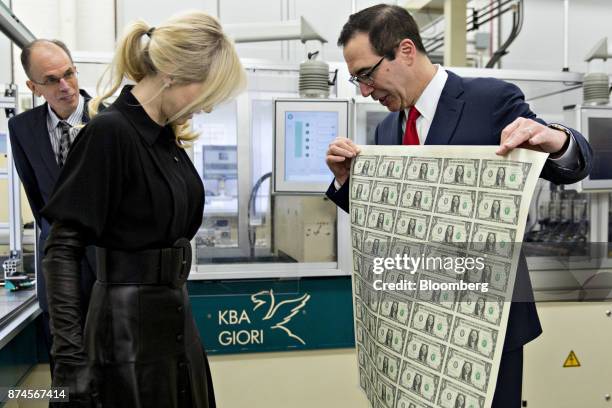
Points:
x=129, y=188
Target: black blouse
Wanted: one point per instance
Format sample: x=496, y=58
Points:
x=127, y=183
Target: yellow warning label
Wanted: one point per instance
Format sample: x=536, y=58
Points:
x=571, y=360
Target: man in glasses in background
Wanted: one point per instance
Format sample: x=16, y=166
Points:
x=40, y=142
x=432, y=106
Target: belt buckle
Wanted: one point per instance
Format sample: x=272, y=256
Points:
x=185, y=263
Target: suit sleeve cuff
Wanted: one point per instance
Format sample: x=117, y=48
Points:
x=337, y=185
x=569, y=159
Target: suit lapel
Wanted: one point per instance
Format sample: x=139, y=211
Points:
x=397, y=127
x=447, y=113
x=41, y=140
x=85, y=117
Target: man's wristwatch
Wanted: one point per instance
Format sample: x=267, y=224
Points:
x=565, y=130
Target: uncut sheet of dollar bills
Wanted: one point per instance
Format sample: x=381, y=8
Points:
x=434, y=232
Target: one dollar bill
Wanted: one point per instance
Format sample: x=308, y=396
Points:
x=381, y=219
x=425, y=351
x=453, y=396
x=432, y=322
x=474, y=337
x=456, y=202
x=391, y=167
x=386, y=193
x=493, y=240
x=419, y=382
x=423, y=169
x=365, y=166
x=504, y=175
x=502, y=208
x=481, y=306
x=467, y=369
x=449, y=232
x=412, y=225
x=460, y=172
x=418, y=197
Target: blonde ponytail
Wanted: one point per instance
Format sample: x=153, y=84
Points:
x=130, y=62
x=190, y=48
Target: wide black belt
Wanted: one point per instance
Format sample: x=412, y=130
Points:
x=165, y=266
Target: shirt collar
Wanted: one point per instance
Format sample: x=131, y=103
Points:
x=428, y=101
x=76, y=118
x=135, y=113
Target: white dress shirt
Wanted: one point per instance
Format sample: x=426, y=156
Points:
x=427, y=104
x=55, y=131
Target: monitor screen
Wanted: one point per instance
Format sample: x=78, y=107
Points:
x=600, y=138
x=220, y=162
x=307, y=136
x=304, y=129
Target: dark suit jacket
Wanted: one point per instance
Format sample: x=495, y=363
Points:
x=38, y=170
x=474, y=112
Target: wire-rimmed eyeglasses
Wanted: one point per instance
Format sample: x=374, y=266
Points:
x=365, y=77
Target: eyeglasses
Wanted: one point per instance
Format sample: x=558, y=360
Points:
x=365, y=77
x=69, y=75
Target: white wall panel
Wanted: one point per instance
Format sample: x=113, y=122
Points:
x=327, y=18
x=540, y=44
x=237, y=11
x=157, y=11
x=95, y=26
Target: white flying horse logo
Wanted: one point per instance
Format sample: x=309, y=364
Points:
x=267, y=296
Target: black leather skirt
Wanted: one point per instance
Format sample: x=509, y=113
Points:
x=140, y=335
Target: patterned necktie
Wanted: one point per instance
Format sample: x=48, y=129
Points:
x=411, y=137
x=64, y=144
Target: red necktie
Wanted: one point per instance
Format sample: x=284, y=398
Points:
x=411, y=137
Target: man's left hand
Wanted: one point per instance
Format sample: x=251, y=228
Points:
x=529, y=134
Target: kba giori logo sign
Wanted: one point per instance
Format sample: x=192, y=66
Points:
x=266, y=314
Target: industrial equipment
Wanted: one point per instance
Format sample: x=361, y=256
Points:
x=303, y=131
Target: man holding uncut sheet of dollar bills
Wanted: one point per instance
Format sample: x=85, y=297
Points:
x=442, y=297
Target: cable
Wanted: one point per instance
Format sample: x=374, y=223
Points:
x=517, y=25
x=440, y=38
x=252, y=210
x=481, y=16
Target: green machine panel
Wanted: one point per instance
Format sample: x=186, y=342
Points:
x=273, y=315
x=17, y=358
